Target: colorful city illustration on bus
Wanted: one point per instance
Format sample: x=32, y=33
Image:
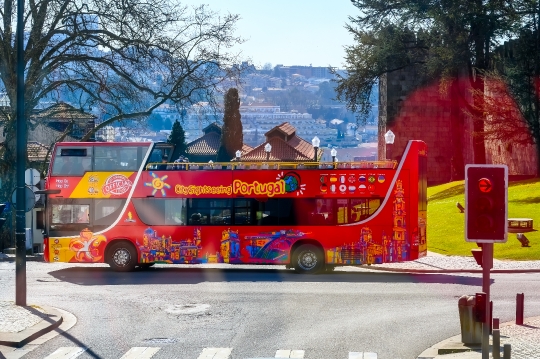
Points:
x=263, y=247
x=274, y=246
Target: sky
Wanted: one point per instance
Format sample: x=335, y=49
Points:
x=289, y=32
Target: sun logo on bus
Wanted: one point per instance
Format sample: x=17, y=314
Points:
x=292, y=182
x=158, y=184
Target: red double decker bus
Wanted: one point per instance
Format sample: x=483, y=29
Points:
x=116, y=203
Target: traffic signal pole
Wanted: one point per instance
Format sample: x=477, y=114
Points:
x=486, y=222
x=487, y=264
x=20, y=214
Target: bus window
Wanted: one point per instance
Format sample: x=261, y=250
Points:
x=203, y=211
x=363, y=208
x=314, y=212
x=151, y=211
x=275, y=211
x=116, y=158
x=243, y=211
x=161, y=211
x=286, y=212
x=342, y=207
x=106, y=211
x=268, y=212
x=73, y=161
x=70, y=213
x=175, y=211
x=130, y=159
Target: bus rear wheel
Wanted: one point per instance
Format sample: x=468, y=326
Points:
x=308, y=259
x=122, y=256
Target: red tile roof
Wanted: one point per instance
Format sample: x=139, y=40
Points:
x=63, y=111
x=286, y=128
x=295, y=149
x=246, y=149
x=205, y=145
x=282, y=151
x=37, y=152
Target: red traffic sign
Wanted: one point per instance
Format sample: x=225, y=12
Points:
x=484, y=185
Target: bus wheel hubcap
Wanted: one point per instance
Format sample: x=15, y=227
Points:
x=308, y=260
x=121, y=257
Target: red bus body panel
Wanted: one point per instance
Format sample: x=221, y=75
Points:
x=396, y=231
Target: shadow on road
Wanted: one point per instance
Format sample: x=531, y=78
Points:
x=104, y=276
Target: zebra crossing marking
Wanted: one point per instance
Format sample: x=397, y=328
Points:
x=207, y=353
x=286, y=353
x=66, y=353
x=362, y=355
x=141, y=353
x=215, y=353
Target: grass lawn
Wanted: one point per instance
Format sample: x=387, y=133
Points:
x=446, y=225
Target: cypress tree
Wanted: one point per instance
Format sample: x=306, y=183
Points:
x=232, y=138
x=178, y=139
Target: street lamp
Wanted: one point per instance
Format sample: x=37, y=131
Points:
x=238, y=154
x=389, y=138
x=333, y=153
x=316, y=143
x=267, y=149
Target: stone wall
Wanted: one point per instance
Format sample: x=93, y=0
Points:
x=416, y=109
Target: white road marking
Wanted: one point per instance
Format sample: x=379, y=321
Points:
x=362, y=355
x=286, y=353
x=66, y=353
x=141, y=353
x=215, y=353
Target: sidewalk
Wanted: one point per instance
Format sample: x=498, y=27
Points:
x=23, y=329
x=20, y=325
x=524, y=340
x=439, y=263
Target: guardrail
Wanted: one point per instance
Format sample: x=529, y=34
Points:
x=241, y=165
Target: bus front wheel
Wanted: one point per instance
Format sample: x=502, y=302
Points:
x=122, y=256
x=308, y=259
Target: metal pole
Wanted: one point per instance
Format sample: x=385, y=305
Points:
x=487, y=264
x=507, y=351
x=520, y=304
x=496, y=351
x=20, y=264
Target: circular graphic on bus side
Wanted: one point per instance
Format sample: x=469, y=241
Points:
x=292, y=182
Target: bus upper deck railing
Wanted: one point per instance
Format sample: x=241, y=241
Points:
x=241, y=165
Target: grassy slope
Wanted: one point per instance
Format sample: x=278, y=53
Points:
x=446, y=225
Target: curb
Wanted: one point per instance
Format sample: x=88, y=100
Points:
x=400, y=270
x=24, y=337
x=451, y=345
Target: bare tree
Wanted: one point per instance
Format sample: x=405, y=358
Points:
x=124, y=57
